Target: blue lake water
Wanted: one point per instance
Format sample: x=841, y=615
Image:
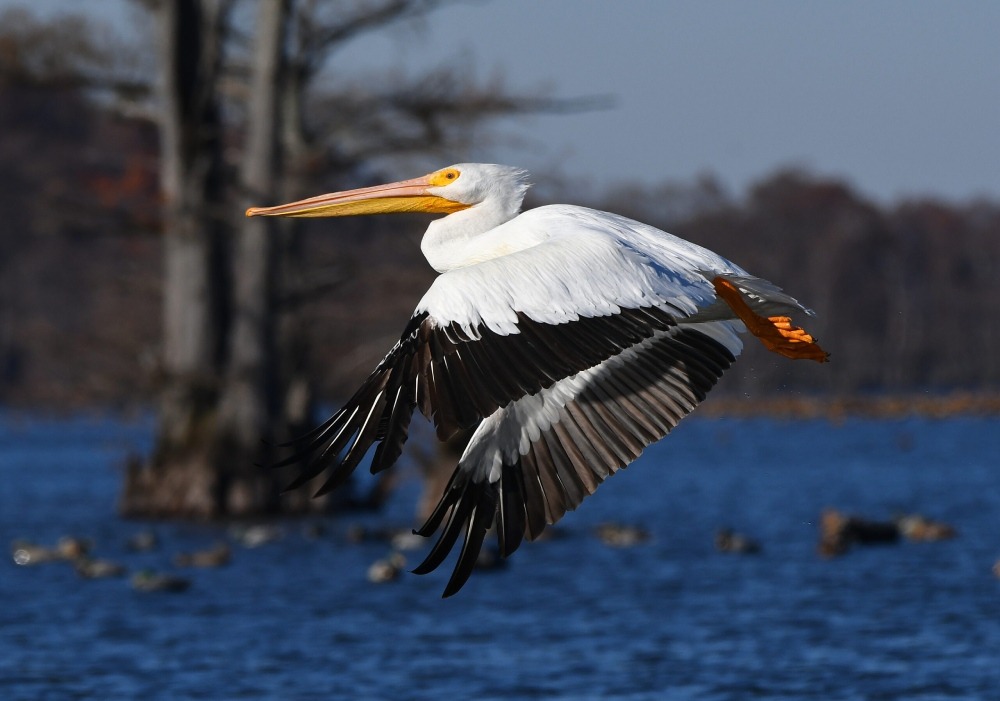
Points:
x=569, y=618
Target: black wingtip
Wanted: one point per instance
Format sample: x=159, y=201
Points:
x=337, y=478
x=458, y=579
x=290, y=460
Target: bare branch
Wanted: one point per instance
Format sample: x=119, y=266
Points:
x=443, y=110
x=71, y=52
x=319, y=35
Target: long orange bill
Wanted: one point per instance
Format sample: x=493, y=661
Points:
x=404, y=196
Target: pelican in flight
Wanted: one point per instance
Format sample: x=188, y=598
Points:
x=569, y=338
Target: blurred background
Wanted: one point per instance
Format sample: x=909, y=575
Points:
x=155, y=344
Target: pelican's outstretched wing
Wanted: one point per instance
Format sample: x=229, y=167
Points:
x=535, y=459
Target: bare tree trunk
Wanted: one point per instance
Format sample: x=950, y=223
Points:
x=178, y=480
x=250, y=404
x=299, y=397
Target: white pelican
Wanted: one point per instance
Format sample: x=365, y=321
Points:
x=573, y=338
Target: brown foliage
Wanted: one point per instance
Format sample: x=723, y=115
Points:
x=78, y=277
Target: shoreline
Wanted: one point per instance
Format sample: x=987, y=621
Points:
x=837, y=407
x=804, y=406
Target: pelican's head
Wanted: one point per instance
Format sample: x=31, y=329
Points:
x=444, y=191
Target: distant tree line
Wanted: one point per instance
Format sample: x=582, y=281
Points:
x=905, y=294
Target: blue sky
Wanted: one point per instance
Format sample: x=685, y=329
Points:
x=902, y=97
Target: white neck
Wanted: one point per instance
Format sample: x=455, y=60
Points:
x=462, y=238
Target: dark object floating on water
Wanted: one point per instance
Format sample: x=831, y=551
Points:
x=254, y=536
x=729, y=541
x=919, y=528
x=619, y=535
x=387, y=569
x=402, y=539
x=67, y=549
x=216, y=556
x=143, y=541
x=148, y=581
x=838, y=532
x=313, y=531
x=92, y=568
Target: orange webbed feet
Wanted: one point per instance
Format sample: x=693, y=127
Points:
x=777, y=333
x=791, y=341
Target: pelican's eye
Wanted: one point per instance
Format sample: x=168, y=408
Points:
x=444, y=177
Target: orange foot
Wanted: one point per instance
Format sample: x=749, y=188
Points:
x=777, y=332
